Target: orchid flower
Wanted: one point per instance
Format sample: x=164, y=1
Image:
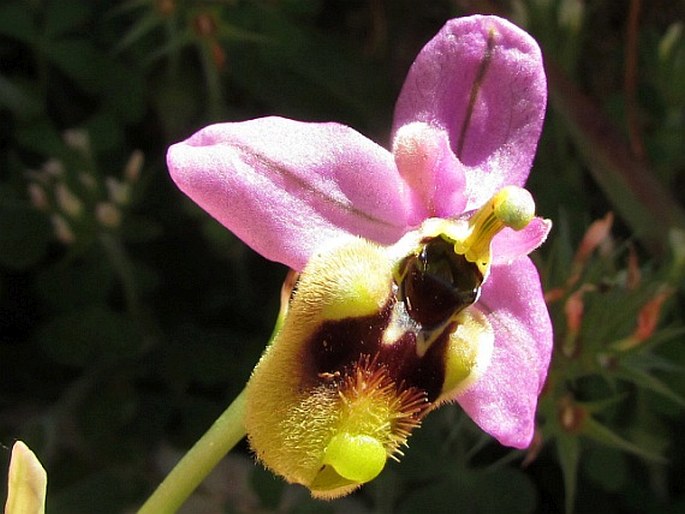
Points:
x=416, y=286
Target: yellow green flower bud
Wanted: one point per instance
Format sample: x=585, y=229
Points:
x=67, y=201
x=26, y=482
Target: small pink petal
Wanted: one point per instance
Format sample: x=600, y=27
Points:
x=481, y=79
x=510, y=244
x=504, y=401
x=428, y=165
x=286, y=187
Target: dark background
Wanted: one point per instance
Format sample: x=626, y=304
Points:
x=129, y=319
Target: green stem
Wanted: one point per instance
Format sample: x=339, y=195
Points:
x=195, y=465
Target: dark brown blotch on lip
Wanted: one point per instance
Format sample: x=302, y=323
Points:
x=337, y=345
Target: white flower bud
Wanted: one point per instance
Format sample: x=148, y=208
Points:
x=108, y=214
x=118, y=192
x=77, y=139
x=62, y=230
x=670, y=39
x=88, y=180
x=67, y=201
x=134, y=166
x=53, y=168
x=571, y=14
x=38, y=197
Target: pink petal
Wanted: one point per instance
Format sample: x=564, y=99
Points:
x=434, y=174
x=510, y=244
x=503, y=402
x=285, y=187
x=481, y=79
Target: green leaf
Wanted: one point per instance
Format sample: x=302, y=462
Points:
x=650, y=382
x=609, y=402
x=24, y=236
x=639, y=197
x=228, y=32
x=179, y=41
x=594, y=430
x=143, y=25
x=128, y=6
x=568, y=450
x=655, y=362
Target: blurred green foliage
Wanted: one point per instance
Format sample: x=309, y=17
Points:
x=129, y=319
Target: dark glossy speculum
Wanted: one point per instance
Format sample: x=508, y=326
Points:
x=437, y=283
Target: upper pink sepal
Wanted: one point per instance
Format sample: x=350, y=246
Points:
x=286, y=187
x=504, y=400
x=481, y=79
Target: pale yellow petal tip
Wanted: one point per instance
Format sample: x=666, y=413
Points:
x=329, y=485
x=27, y=482
x=469, y=353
